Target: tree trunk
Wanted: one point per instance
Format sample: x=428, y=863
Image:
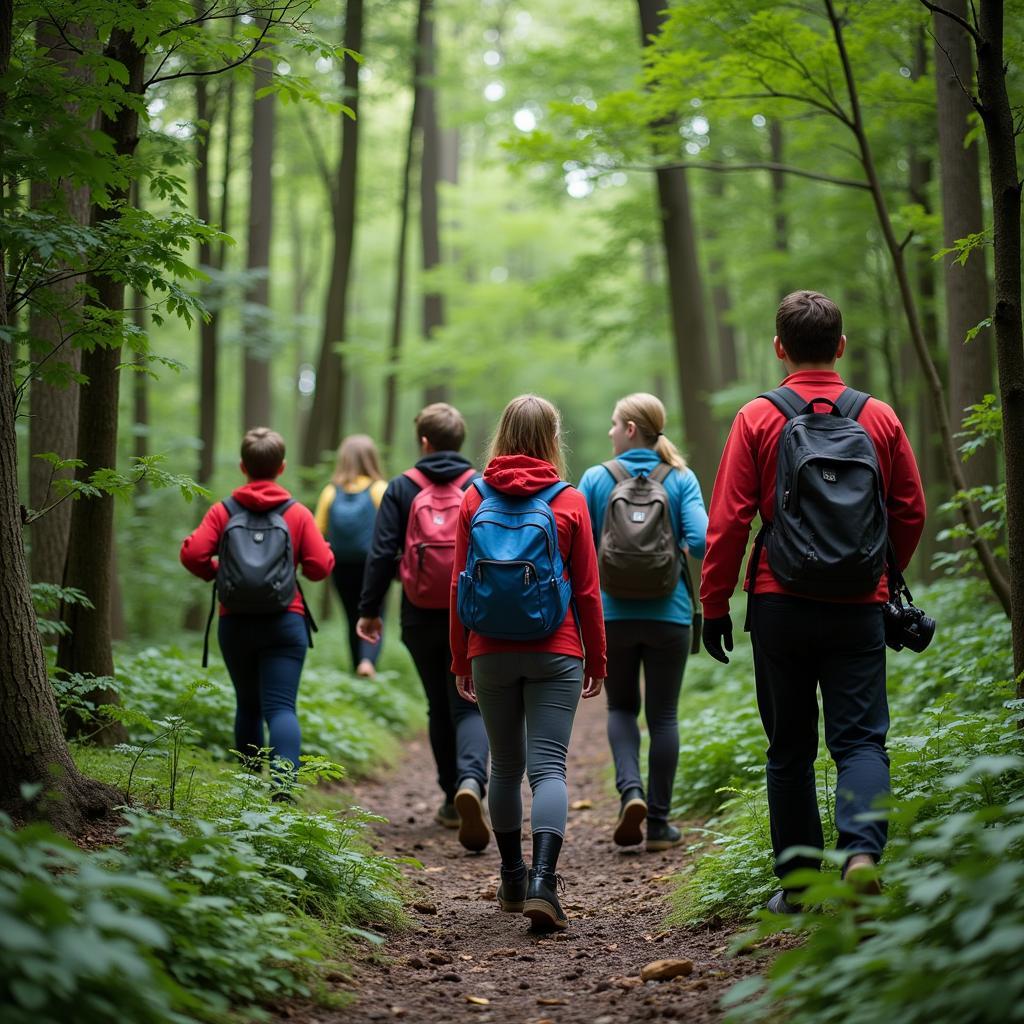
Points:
x=326, y=420
x=53, y=421
x=997, y=117
x=207, y=328
x=721, y=301
x=398, y=303
x=86, y=648
x=256, y=405
x=686, y=299
x=430, y=176
x=32, y=747
x=967, y=289
x=780, y=217
x=993, y=574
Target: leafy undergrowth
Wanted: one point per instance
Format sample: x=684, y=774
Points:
x=945, y=941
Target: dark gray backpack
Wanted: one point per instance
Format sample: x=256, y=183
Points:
x=829, y=533
x=639, y=555
x=255, y=565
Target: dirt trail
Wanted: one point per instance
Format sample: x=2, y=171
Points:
x=463, y=947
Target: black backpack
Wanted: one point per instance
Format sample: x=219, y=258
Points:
x=256, y=566
x=829, y=534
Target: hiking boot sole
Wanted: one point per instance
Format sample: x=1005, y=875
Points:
x=627, y=829
x=543, y=917
x=657, y=845
x=473, y=831
x=511, y=908
x=446, y=822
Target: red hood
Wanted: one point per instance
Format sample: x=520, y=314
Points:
x=259, y=495
x=520, y=474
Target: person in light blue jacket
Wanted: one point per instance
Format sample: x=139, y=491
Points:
x=652, y=633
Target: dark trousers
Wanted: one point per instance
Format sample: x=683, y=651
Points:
x=348, y=581
x=660, y=648
x=458, y=738
x=800, y=645
x=264, y=656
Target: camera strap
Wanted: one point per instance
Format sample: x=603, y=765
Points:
x=897, y=584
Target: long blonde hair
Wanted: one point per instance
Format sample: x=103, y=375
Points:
x=530, y=425
x=357, y=456
x=648, y=413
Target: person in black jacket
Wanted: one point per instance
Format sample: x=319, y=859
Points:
x=457, y=735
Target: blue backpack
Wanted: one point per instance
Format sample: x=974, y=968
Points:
x=350, y=524
x=512, y=587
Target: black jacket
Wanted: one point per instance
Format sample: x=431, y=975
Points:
x=389, y=539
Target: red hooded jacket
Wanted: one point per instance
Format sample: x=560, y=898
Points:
x=745, y=487
x=520, y=474
x=311, y=551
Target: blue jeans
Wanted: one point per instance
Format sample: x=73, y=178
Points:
x=264, y=656
x=799, y=645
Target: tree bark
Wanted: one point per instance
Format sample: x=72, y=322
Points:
x=967, y=287
x=86, y=648
x=721, y=300
x=780, y=217
x=207, y=328
x=32, y=746
x=398, y=303
x=686, y=298
x=430, y=176
x=53, y=421
x=256, y=402
x=997, y=117
x=997, y=581
x=326, y=421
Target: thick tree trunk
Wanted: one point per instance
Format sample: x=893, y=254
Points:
x=997, y=581
x=32, y=747
x=53, y=422
x=207, y=328
x=398, y=303
x=256, y=404
x=86, y=648
x=997, y=117
x=721, y=300
x=780, y=215
x=430, y=176
x=967, y=288
x=686, y=298
x=326, y=420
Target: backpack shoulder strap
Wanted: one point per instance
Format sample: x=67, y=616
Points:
x=660, y=472
x=617, y=470
x=786, y=400
x=283, y=507
x=463, y=480
x=484, y=490
x=418, y=477
x=851, y=403
x=550, y=493
x=233, y=507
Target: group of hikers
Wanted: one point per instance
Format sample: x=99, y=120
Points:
x=522, y=593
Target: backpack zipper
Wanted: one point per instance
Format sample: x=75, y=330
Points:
x=529, y=569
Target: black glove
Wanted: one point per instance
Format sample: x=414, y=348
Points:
x=715, y=633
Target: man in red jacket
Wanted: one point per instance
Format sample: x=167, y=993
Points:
x=801, y=643
x=264, y=654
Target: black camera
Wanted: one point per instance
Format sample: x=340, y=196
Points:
x=906, y=626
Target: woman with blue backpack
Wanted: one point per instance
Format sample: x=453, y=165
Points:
x=345, y=513
x=527, y=639
x=647, y=514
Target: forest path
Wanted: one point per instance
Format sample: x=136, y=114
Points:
x=461, y=946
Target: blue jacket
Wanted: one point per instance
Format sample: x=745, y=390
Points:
x=689, y=523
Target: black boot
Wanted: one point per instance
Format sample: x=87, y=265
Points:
x=632, y=811
x=661, y=835
x=512, y=890
x=542, y=906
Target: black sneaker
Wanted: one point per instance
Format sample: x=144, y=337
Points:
x=542, y=906
x=778, y=904
x=632, y=813
x=512, y=889
x=661, y=835
x=473, y=831
x=447, y=815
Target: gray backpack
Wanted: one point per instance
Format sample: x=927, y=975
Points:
x=256, y=566
x=639, y=555
x=829, y=534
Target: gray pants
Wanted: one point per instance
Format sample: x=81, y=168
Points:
x=528, y=703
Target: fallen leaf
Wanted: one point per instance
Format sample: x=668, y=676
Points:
x=425, y=908
x=665, y=970
x=434, y=869
x=478, y=1000
x=581, y=805
x=465, y=956
x=611, y=949
x=544, y=1001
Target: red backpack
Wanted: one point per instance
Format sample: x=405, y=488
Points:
x=429, y=556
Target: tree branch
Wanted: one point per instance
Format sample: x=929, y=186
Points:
x=754, y=166
x=965, y=25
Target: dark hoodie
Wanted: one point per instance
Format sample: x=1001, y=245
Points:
x=312, y=553
x=522, y=475
x=389, y=539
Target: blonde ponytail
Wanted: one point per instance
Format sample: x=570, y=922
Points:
x=648, y=413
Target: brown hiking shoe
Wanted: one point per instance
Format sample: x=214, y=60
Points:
x=473, y=831
x=632, y=814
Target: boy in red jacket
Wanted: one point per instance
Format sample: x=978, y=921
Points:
x=263, y=653
x=801, y=643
